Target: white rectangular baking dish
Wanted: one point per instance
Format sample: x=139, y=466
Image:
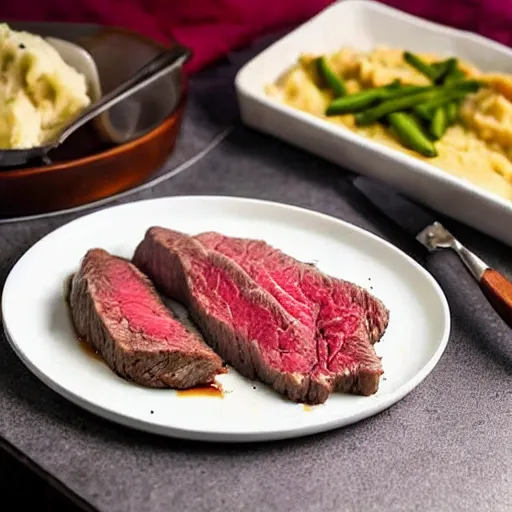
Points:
x=363, y=24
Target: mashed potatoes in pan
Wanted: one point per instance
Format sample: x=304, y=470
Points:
x=477, y=148
x=39, y=92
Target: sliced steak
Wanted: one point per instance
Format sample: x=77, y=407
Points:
x=241, y=321
x=345, y=318
x=117, y=311
x=297, y=285
x=272, y=336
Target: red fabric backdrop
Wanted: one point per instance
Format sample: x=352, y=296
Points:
x=213, y=27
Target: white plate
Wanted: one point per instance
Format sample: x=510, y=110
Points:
x=39, y=329
x=363, y=25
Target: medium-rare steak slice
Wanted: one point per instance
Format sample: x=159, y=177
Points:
x=295, y=284
x=116, y=309
x=250, y=328
x=346, y=318
x=241, y=321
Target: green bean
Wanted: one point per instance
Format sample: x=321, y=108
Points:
x=445, y=68
x=437, y=66
x=387, y=107
x=359, y=100
x=454, y=76
x=451, y=112
x=463, y=85
x=335, y=82
x=353, y=102
x=417, y=120
x=439, y=123
x=407, y=130
x=443, y=94
x=404, y=90
x=426, y=110
x=423, y=111
x=421, y=124
x=420, y=65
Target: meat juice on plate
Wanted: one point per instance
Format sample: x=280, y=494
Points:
x=212, y=390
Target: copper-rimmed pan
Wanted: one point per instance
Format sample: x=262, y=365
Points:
x=88, y=167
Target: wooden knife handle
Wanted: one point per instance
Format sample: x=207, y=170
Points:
x=498, y=289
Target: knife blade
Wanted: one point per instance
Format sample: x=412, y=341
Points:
x=397, y=208
x=422, y=225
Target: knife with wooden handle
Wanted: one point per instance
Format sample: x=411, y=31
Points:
x=432, y=235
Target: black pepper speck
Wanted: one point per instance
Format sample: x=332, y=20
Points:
x=152, y=412
x=22, y=46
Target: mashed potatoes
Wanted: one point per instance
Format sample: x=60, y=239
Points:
x=478, y=148
x=39, y=92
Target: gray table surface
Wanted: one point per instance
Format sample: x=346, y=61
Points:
x=445, y=447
